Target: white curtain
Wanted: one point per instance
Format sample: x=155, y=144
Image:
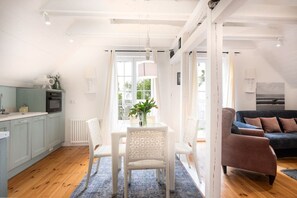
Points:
x=228, y=81
x=157, y=88
x=110, y=101
x=193, y=86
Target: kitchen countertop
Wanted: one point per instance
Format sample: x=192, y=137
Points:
x=18, y=115
x=4, y=134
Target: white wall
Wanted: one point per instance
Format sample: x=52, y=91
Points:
x=264, y=73
x=78, y=103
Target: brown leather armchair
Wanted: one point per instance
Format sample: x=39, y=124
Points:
x=246, y=151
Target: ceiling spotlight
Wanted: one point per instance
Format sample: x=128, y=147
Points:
x=46, y=18
x=71, y=40
x=278, y=43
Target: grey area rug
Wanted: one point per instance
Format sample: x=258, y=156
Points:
x=290, y=172
x=143, y=183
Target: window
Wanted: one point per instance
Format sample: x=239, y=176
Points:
x=201, y=75
x=131, y=89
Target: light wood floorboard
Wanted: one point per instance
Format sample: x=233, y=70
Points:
x=59, y=174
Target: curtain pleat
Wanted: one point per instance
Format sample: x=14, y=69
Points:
x=110, y=102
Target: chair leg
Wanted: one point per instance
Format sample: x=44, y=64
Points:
x=188, y=160
x=197, y=167
x=130, y=177
x=89, y=171
x=224, y=169
x=98, y=162
x=158, y=175
x=167, y=181
x=271, y=179
x=120, y=163
x=125, y=183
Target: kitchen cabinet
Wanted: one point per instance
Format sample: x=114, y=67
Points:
x=20, y=142
x=38, y=135
x=5, y=126
x=55, y=129
x=3, y=167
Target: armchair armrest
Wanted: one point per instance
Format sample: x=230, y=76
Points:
x=251, y=132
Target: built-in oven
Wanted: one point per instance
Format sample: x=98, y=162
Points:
x=53, y=101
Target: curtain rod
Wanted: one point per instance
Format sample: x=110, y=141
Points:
x=134, y=50
x=201, y=52
x=205, y=52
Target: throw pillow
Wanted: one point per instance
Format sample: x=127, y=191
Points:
x=244, y=125
x=253, y=121
x=235, y=129
x=289, y=124
x=270, y=124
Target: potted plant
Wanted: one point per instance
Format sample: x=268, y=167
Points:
x=141, y=110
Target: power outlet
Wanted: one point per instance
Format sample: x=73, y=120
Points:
x=50, y=149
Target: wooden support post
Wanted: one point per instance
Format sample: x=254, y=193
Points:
x=214, y=108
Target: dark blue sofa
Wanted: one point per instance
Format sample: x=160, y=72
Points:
x=284, y=144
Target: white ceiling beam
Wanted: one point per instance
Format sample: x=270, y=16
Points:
x=251, y=33
x=121, y=9
x=224, y=9
x=263, y=19
x=196, y=38
x=274, y=2
x=196, y=17
x=122, y=35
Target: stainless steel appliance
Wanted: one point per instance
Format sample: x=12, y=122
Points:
x=53, y=101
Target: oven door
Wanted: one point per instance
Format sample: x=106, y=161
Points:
x=53, y=102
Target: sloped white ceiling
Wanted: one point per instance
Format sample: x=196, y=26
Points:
x=29, y=48
x=283, y=58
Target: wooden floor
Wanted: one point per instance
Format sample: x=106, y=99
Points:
x=56, y=176
x=59, y=174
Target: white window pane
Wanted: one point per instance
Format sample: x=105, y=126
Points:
x=120, y=68
x=121, y=83
x=128, y=68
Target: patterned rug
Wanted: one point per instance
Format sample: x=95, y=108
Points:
x=143, y=183
x=290, y=172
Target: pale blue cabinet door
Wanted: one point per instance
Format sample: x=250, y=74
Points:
x=20, y=142
x=5, y=126
x=54, y=129
x=38, y=135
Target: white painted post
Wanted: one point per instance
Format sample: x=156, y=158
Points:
x=184, y=93
x=213, y=108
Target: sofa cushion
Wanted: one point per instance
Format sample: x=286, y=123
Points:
x=282, y=140
x=288, y=124
x=270, y=124
x=254, y=121
x=244, y=125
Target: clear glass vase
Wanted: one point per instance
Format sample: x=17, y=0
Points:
x=142, y=119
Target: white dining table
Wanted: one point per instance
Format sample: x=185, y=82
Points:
x=121, y=132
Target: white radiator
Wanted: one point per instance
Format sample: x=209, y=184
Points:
x=78, y=131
